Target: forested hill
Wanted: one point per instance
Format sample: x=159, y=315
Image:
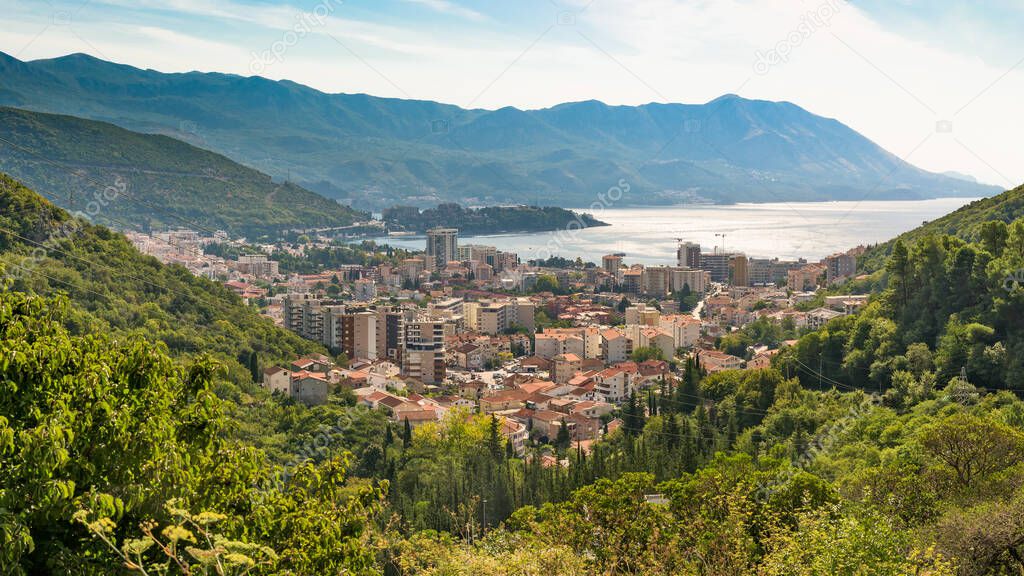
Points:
x=142, y=181
x=488, y=220
x=113, y=288
x=967, y=223
x=958, y=304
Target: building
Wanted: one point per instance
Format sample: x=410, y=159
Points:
x=364, y=290
x=423, y=356
x=759, y=272
x=688, y=255
x=633, y=281
x=442, y=247
x=685, y=329
x=698, y=280
x=615, y=347
x=642, y=314
x=805, y=278
x=303, y=314
x=839, y=267
x=496, y=317
x=611, y=263
x=390, y=335
x=277, y=379
x=258, y=265
x=717, y=266
x=740, y=273
x=565, y=367
x=478, y=253
x=657, y=280
x=354, y=333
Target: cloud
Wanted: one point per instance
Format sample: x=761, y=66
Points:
x=446, y=7
x=891, y=86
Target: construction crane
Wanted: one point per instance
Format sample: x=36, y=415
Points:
x=723, y=241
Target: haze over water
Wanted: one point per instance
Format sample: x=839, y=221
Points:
x=789, y=230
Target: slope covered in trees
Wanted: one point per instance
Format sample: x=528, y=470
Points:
x=142, y=181
x=951, y=309
x=967, y=223
x=115, y=289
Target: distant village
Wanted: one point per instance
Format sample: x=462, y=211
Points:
x=470, y=326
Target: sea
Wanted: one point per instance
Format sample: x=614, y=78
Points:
x=785, y=230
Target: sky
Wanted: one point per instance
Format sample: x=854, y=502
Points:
x=938, y=83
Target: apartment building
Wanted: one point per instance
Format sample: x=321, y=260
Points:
x=442, y=247
x=354, y=333
x=688, y=255
x=424, y=355
x=698, y=280
x=258, y=265
x=642, y=314
x=839, y=267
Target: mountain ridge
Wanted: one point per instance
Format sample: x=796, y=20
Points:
x=380, y=151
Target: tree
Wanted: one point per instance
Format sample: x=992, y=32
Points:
x=254, y=366
x=494, y=437
x=972, y=447
x=623, y=304
x=644, y=353
x=407, y=434
x=563, y=439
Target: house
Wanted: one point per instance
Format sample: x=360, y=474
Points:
x=591, y=409
x=310, y=388
x=715, y=361
x=504, y=400
x=469, y=356
x=820, y=316
x=277, y=379
x=565, y=367
x=516, y=433
x=535, y=364
x=762, y=360
x=613, y=384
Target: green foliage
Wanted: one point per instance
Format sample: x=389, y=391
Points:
x=117, y=290
x=488, y=219
x=645, y=353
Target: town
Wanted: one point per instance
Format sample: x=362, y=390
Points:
x=547, y=346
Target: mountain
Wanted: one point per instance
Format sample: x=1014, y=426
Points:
x=132, y=180
x=376, y=152
x=965, y=223
x=116, y=290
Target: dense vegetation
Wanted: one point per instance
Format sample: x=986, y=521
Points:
x=116, y=290
x=488, y=220
x=138, y=181
x=951, y=309
x=967, y=223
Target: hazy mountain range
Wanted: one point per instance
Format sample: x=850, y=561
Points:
x=374, y=152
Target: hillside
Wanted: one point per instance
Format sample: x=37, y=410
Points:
x=143, y=181
x=965, y=223
x=114, y=289
x=383, y=151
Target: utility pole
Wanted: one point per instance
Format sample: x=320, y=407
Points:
x=483, y=527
